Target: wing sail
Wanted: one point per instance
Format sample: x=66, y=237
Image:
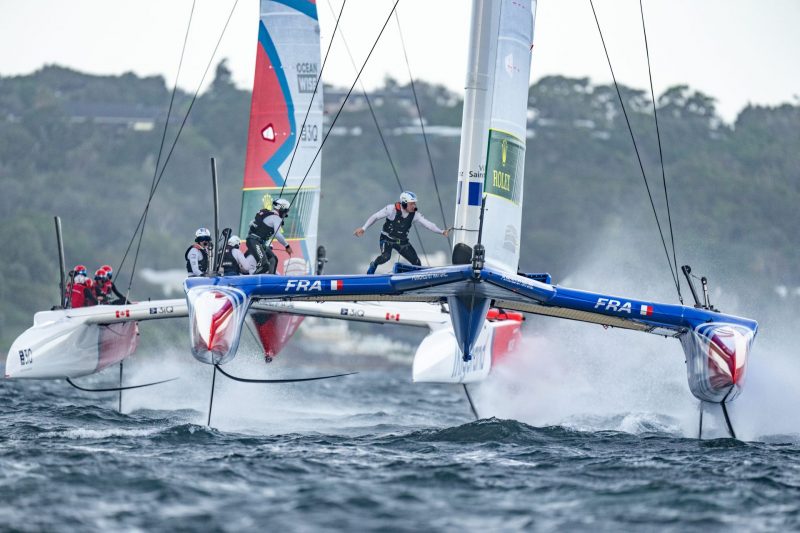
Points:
x=282, y=144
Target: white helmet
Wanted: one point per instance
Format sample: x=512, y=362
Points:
x=234, y=241
x=407, y=197
x=202, y=233
x=281, y=205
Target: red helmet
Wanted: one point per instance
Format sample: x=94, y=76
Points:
x=109, y=271
x=100, y=274
x=80, y=270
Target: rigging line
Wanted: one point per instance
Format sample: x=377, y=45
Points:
x=660, y=152
x=421, y=123
x=177, y=137
x=380, y=134
x=163, y=139
x=635, y=147
x=311, y=102
x=341, y=107
x=166, y=124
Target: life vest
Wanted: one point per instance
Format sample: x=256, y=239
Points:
x=230, y=266
x=398, y=228
x=100, y=293
x=203, y=263
x=258, y=228
x=77, y=296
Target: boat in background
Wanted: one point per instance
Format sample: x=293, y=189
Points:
x=283, y=140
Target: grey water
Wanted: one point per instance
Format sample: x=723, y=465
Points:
x=366, y=452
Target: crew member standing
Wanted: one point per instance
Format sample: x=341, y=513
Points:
x=196, y=255
x=394, y=235
x=266, y=224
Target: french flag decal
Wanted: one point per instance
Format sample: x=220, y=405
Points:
x=336, y=284
x=646, y=310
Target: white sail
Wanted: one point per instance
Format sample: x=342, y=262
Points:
x=492, y=156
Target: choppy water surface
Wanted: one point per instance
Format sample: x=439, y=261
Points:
x=368, y=452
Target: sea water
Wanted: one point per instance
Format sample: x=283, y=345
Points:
x=375, y=452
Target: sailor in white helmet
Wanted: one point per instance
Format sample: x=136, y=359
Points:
x=394, y=235
x=233, y=260
x=266, y=225
x=196, y=255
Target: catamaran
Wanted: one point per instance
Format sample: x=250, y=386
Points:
x=485, y=270
x=285, y=132
x=483, y=293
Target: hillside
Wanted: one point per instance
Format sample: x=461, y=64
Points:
x=84, y=147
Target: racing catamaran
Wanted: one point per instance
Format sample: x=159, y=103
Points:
x=485, y=271
x=285, y=132
x=483, y=291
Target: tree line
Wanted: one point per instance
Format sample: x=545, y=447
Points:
x=85, y=147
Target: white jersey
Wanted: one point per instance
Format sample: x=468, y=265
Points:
x=246, y=264
x=274, y=222
x=194, y=257
x=389, y=213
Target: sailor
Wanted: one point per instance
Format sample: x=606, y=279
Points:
x=197, y=254
x=394, y=235
x=110, y=288
x=100, y=286
x=266, y=225
x=79, y=293
x=233, y=260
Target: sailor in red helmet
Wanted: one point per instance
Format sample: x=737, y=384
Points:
x=110, y=289
x=99, y=286
x=394, y=235
x=80, y=293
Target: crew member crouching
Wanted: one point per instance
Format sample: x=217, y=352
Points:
x=234, y=262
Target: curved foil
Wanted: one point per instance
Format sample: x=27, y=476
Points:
x=216, y=315
x=716, y=360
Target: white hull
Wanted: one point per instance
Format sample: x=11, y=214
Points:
x=439, y=360
x=69, y=349
x=70, y=343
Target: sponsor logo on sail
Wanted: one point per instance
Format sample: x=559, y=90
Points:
x=306, y=77
x=504, y=166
